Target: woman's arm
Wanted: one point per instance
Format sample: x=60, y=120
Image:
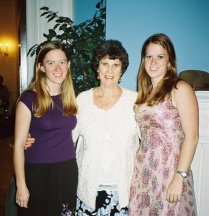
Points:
x=187, y=105
x=22, y=124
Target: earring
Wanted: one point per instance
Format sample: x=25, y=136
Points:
x=98, y=75
x=120, y=79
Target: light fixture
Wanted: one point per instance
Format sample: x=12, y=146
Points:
x=4, y=49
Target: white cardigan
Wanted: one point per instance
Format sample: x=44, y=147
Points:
x=93, y=128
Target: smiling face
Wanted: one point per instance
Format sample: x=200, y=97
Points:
x=156, y=62
x=55, y=65
x=109, y=71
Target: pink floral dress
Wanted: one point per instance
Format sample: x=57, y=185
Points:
x=156, y=162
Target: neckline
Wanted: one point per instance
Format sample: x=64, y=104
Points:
x=145, y=108
x=55, y=95
x=106, y=110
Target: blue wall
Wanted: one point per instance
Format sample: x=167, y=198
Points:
x=131, y=22
x=186, y=22
x=83, y=10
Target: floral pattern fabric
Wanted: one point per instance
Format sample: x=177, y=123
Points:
x=66, y=211
x=156, y=162
x=107, y=204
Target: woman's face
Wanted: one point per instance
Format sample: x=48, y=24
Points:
x=109, y=71
x=55, y=65
x=156, y=61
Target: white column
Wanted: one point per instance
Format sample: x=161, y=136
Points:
x=200, y=164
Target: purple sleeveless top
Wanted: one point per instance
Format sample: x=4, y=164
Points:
x=52, y=133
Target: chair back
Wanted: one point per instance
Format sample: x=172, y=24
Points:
x=197, y=78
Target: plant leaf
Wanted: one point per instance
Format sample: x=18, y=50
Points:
x=80, y=40
x=44, y=13
x=44, y=8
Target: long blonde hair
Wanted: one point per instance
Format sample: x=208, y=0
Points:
x=43, y=100
x=169, y=80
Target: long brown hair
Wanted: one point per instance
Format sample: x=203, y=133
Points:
x=43, y=100
x=169, y=80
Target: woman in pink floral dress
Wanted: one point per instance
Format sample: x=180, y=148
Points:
x=166, y=111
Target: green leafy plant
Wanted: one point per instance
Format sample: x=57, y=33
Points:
x=80, y=40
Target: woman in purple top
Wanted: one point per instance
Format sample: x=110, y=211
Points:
x=46, y=174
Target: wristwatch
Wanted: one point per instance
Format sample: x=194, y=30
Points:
x=182, y=173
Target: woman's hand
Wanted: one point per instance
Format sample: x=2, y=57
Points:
x=175, y=189
x=29, y=142
x=22, y=196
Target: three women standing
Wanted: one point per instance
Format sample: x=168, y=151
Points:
x=166, y=112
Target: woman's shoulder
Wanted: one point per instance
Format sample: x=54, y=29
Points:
x=183, y=86
x=27, y=94
x=129, y=94
x=184, y=92
x=84, y=94
x=27, y=98
x=84, y=97
x=128, y=91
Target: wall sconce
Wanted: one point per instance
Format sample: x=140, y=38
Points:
x=4, y=51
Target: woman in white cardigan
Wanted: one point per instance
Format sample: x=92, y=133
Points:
x=106, y=135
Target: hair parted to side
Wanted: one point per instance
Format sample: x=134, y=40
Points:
x=169, y=80
x=113, y=49
x=43, y=101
